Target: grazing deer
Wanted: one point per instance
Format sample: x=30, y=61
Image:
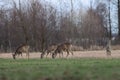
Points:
x=21, y=49
x=62, y=47
x=49, y=50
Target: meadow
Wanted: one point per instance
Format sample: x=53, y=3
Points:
x=60, y=69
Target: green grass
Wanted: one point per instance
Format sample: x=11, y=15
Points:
x=60, y=69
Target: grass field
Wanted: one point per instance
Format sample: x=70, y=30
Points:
x=60, y=69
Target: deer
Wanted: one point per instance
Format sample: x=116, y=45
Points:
x=21, y=49
x=49, y=50
x=63, y=47
x=108, y=48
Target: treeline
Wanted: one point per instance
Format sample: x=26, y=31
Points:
x=41, y=24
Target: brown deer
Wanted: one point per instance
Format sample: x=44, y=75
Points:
x=49, y=50
x=21, y=49
x=108, y=48
x=63, y=47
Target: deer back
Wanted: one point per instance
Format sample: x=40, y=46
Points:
x=23, y=48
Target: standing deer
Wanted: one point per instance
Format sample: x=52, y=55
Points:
x=108, y=48
x=63, y=47
x=21, y=49
x=49, y=50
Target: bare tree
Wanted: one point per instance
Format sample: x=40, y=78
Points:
x=118, y=17
x=92, y=28
x=108, y=47
x=41, y=25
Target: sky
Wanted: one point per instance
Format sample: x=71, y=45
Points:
x=85, y=2
x=67, y=2
x=56, y=3
x=65, y=5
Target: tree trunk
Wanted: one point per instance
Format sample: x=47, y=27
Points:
x=119, y=19
x=108, y=47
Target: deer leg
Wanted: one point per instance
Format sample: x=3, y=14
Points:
x=21, y=54
x=67, y=53
x=62, y=53
x=51, y=52
x=54, y=55
x=71, y=52
x=27, y=55
x=108, y=52
x=14, y=56
x=42, y=55
x=18, y=54
x=47, y=53
x=59, y=55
